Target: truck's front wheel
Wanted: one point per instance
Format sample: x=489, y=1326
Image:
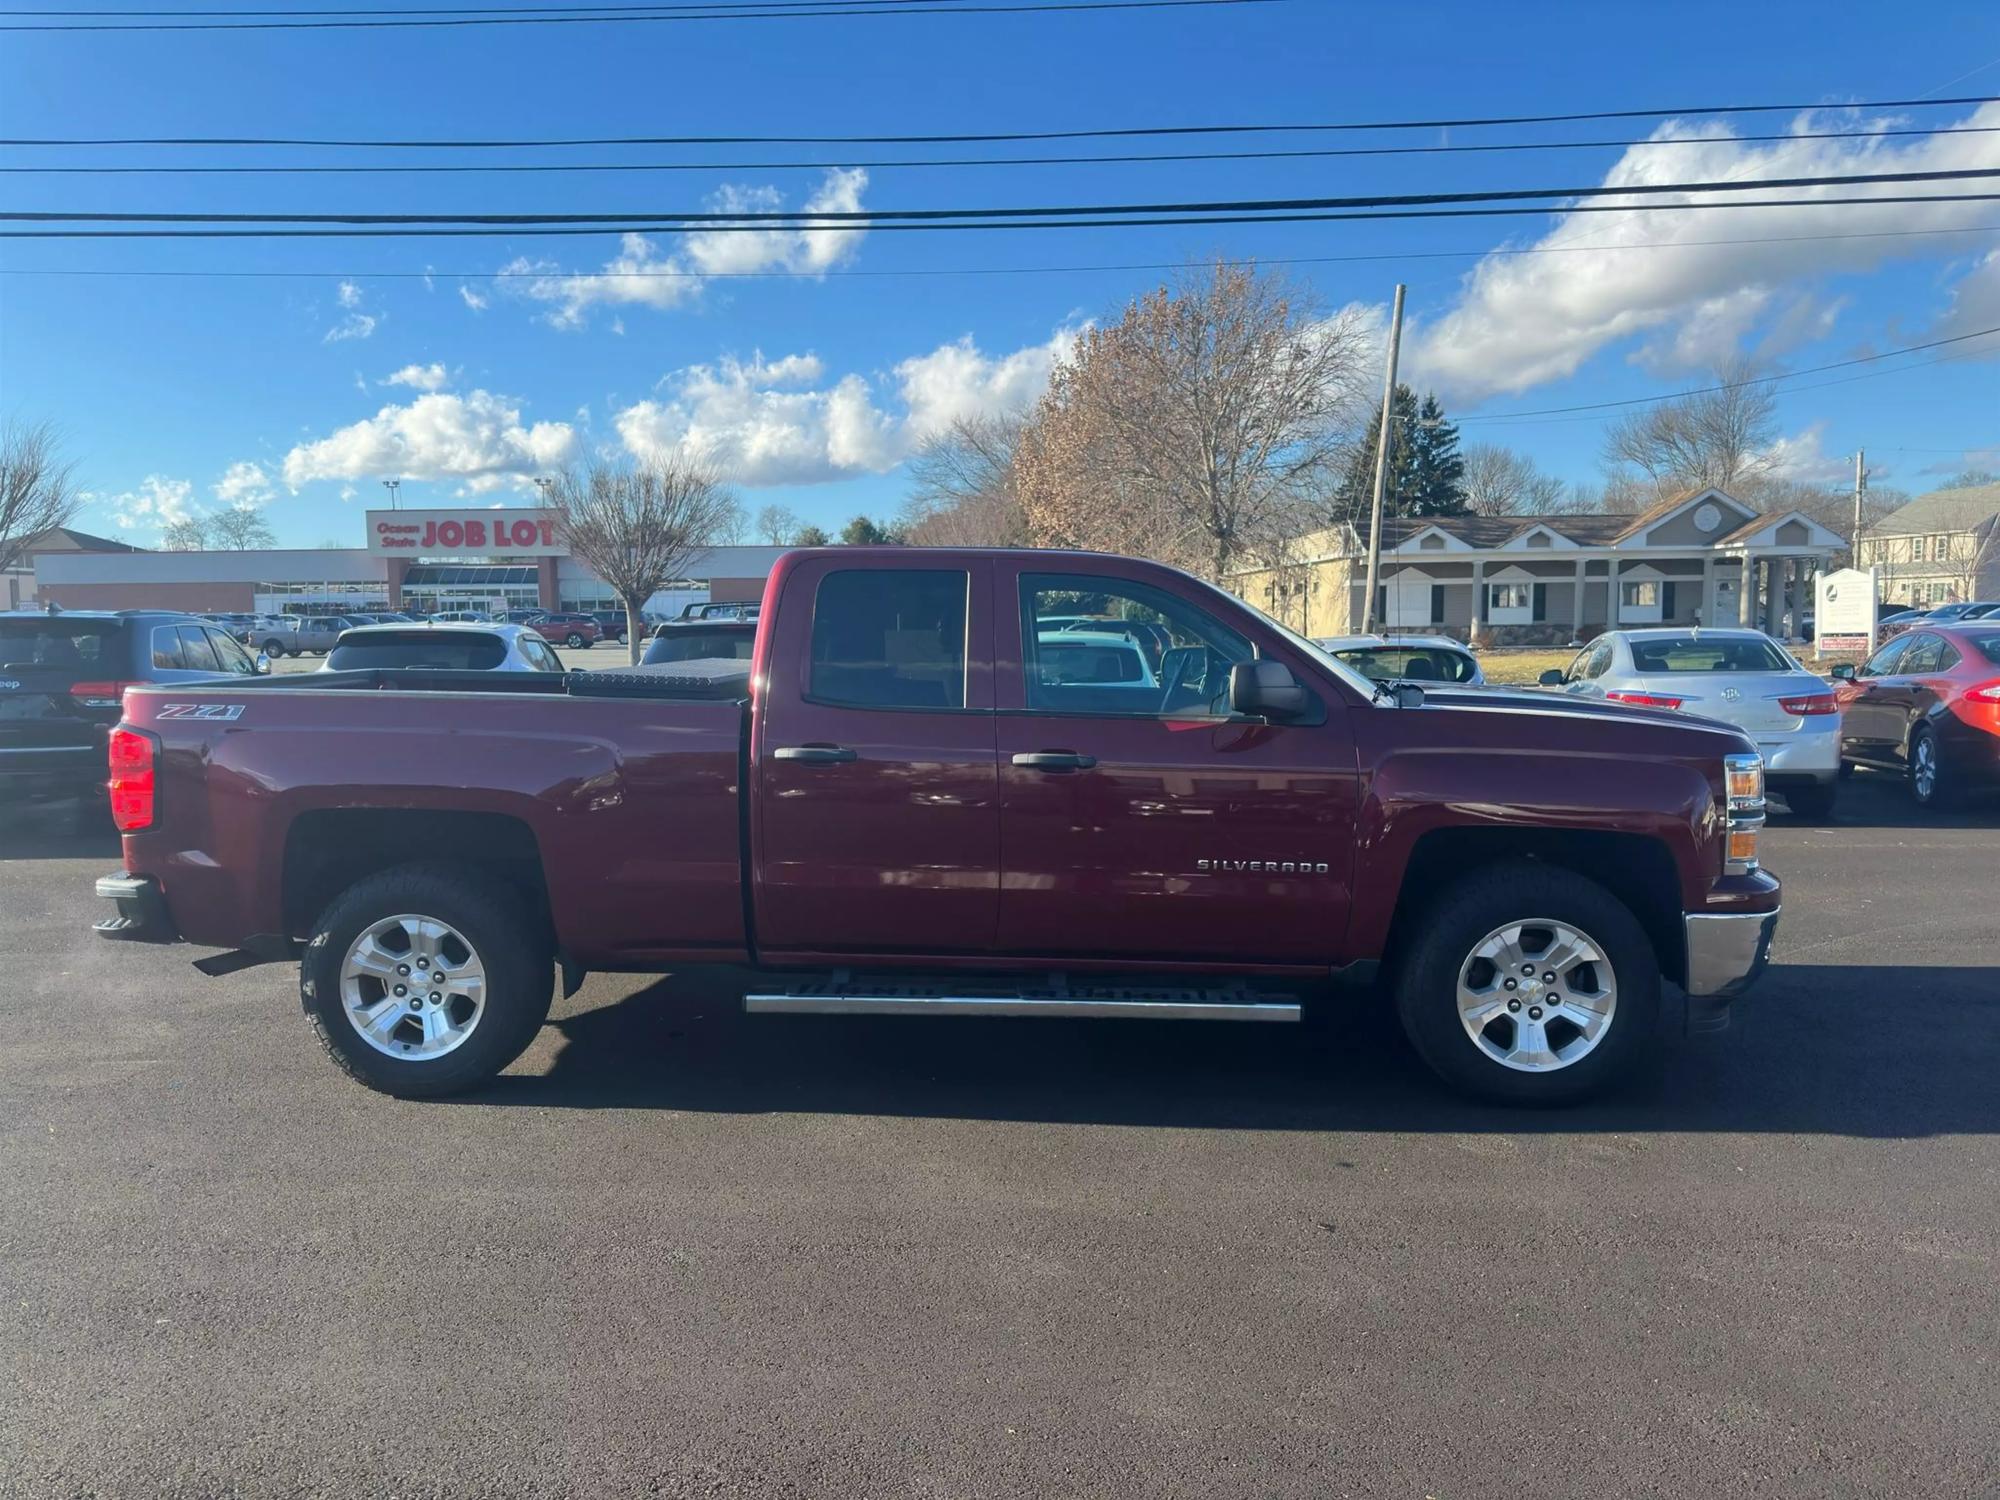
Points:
x=1532, y=985
x=426, y=980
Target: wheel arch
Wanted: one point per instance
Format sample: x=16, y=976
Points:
x=329, y=849
x=1640, y=871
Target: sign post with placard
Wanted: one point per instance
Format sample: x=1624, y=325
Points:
x=1844, y=616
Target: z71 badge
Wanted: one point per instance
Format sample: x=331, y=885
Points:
x=201, y=711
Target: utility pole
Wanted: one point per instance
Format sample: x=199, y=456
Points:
x=1382, y=465
x=1860, y=489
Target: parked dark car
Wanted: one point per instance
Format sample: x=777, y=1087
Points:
x=1926, y=705
x=611, y=625
x=577, y=631
x=701, y=640
x=61, y=679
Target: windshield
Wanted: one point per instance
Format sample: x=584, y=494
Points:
x=54, y=643
x=696, y=643
x=1707, y=653
x=1410, y=663
x=444, y=650
x=1366, y=686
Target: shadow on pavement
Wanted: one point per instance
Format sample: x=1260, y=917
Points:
x=1880, y=799
x=1812, y=1053
x=57, y=830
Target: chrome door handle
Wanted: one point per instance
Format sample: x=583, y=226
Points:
x=1054, y=760
x=814, y=755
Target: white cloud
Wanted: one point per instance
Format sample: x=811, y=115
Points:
x=473, y=298
x=1520, y=321
x=356, y=324
x=778, y=421
x=158, y=501
x=478, y=440
x=431, y=377
x=1802, y=456
x=1975, y=303
x=243, y=483
x=643, y=274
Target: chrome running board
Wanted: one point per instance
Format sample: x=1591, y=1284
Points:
x=842, y=996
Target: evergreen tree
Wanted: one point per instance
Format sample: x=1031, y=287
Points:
x=1357, y=485
x=811, y=536
x=1437, y=469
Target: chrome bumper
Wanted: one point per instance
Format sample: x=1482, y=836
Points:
x=1726, y=952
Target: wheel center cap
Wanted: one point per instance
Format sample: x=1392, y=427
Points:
x=1531, y=989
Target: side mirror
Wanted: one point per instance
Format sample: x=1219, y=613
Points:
x=1843, y=672
x=263, y=665
x=1266, y=689
x=1552, y=678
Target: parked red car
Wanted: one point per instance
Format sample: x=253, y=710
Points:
x=571, y=630
x=1927, y=704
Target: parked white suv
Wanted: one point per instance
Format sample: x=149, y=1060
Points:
x=1741, y=677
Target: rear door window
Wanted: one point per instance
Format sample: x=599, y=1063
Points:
x=890, y=638
x=167, y=654
x=197, y=655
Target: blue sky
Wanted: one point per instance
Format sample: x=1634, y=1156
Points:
x=188, y=391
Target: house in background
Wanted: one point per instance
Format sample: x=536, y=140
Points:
x=1941, y=548
x=1701, y=556
x=17, y=581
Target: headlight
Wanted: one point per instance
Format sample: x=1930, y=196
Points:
x=1743, y=783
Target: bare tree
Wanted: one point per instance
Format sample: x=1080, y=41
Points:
x=638, y=526
x=962, y=490
x=734, y=525
x=1201, y=427
x=777, y=525
x=240, y=528
x=1720, y=437
x=37, y=489
x=1500, y=482
x=188, y=534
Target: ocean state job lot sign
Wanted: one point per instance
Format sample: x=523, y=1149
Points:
x=1844, y=612
x=506, y=532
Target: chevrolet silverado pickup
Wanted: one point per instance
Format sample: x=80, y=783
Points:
x=917, y=797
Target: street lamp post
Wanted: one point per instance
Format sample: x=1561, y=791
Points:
x=394, y=487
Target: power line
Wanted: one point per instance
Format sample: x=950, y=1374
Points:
x=306, y=169
x=968, y=139
x=929, y=271
x=872, y=217
x=1734, y=385
x=680, y=15
x=477, y=10
x=1160, y=221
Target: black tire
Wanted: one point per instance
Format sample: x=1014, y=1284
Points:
x=1813, y=801
x=1943, y=790
x=509, y=939
x=1460, y=918
x=1847, y=770
x=575, y=641
x=273, y=650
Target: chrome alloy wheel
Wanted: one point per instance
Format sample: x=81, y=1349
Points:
x=1537, y=995
x=412, y=987
x=1924, y=767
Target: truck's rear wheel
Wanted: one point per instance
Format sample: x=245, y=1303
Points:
x=1532, y=985
x=426, y=980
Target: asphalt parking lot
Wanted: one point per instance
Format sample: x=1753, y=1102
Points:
x=680, y=1251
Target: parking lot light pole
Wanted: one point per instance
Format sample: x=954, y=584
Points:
x=394, y=487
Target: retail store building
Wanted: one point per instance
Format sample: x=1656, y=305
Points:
x=430, y=560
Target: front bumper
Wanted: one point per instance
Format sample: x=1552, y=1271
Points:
x=1725, y=954
x=142, y=915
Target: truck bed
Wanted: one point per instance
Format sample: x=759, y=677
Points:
x=707, y=679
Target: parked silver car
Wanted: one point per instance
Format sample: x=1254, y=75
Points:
x=300, y=634
x=443, y=648
x=1741, y=677
x=1406, y=658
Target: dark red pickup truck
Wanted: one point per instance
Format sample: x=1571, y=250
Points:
x=1011, y=782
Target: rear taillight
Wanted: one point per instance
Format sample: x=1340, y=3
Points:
x=133, y=781
x=99, y=694
x=1644, y=700
x=1808, y=704
x=1986, y=692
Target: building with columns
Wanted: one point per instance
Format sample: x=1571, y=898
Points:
x=1699, y=557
